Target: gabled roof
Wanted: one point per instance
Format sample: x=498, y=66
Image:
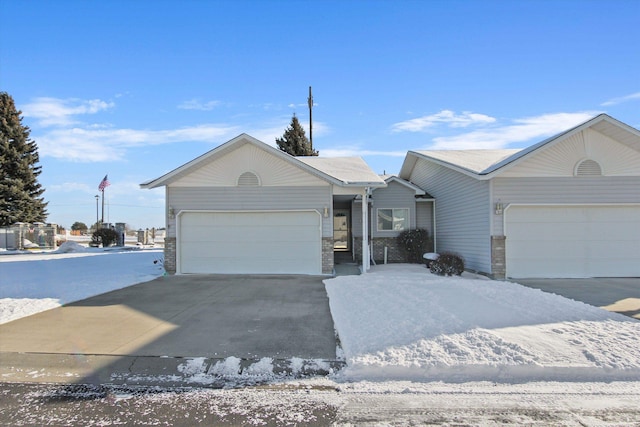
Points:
x=344, y=172
x=485, y=164
x=419, y=192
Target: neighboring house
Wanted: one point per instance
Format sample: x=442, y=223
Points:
x=566, y=207
x=247, y=207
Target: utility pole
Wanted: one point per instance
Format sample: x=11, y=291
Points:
x=310, y=101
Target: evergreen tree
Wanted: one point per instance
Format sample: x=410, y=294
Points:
x=20, y=192
x=294, y=141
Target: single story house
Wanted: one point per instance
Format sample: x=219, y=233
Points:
x=247, y=207
x=567, y=207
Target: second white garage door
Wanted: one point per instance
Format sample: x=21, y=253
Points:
x=573, y=241
x=287, y=242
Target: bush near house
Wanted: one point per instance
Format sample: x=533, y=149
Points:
x=447, y=264
x=106, y=236
x=414, y=243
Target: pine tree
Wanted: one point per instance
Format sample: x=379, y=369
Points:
x=294, y=141
x=20, y=192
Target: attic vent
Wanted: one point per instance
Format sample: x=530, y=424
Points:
x=248, y=179
x=588, y=168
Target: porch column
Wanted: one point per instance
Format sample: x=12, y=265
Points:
x=365, y=230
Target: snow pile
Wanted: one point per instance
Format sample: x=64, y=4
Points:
x=70, y=246
x=402, y=322
x=235, y=372
x=30, y=283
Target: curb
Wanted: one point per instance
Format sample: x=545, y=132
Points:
x=156, y=371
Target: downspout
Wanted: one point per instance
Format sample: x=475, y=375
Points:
x=435, y=241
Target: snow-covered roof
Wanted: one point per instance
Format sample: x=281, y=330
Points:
x=484, y=164
x=349, y=170
x=477, y=161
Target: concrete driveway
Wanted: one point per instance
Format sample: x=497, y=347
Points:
x=249, y=317
x=621, y=295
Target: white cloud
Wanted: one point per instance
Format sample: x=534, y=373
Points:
x=71, y=187
x=621, y=99
x=446, y=117
x=521, y=130
x=195, y=104
x=98, y=145
x=61, y=112
x=305, y=105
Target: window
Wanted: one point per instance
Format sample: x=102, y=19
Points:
x=393, y=219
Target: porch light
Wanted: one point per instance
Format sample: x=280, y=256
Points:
x=326, y=212
x=172, y=213
x=499, y=207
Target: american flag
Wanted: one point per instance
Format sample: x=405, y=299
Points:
x=104, y=183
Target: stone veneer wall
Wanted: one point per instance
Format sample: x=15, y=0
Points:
x=498, y=257
x=327, y=255
x=170, y=255
x=394, y=254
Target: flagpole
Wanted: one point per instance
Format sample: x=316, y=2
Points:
x=102, y=221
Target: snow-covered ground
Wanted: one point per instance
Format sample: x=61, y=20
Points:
x=38, y=281
x=402, y=323
x=398, y=322
x=419, y=349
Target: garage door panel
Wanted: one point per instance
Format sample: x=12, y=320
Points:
x=531, y=250
x=250, y=242
x=252, y=235
x=545, y=232
x=573, y=241
x=552, y=268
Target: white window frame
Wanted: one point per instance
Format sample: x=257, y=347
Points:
x=408, y=219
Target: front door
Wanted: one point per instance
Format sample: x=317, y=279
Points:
x=341, y=230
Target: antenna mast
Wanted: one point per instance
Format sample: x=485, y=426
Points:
x=310, y=101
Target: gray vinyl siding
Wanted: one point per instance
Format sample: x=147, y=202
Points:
x=396, y=196
x=424, y=216
x=356, y=219
x=462, y=212
x=561, y=190
x=249, y=199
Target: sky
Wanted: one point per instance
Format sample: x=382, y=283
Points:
x=137, y=89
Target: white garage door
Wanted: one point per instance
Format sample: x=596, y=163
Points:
x=572, y=241
x=250, y=242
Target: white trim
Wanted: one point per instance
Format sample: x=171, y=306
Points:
x=184, y=211
x=387, y=231
x=419, y=191
x=365, y=231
